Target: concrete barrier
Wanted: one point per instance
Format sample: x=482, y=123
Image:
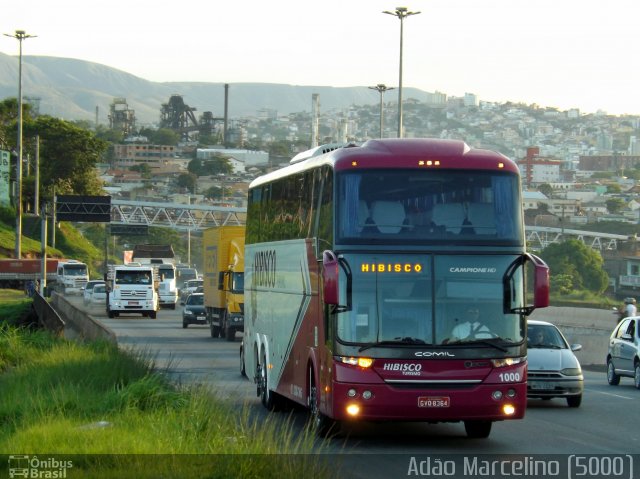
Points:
x=79, y=324
x=589, y=327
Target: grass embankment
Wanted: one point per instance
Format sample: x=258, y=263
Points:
x=116, y=411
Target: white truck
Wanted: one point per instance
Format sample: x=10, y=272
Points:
x=167, y=288
x=63, y=275
x=132, y=289
x=163, y=258
x=71, y=276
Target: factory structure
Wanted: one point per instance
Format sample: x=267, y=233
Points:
x=181, y=118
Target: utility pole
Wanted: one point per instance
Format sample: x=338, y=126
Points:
x=19, y=35
x=401, y=13
x=381, y=88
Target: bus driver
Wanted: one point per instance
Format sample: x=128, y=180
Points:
x=471, y=327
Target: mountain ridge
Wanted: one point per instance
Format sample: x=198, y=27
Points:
x=72, y=89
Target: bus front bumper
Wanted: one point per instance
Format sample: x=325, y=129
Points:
x=383, y=402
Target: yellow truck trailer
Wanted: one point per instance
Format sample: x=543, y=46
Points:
x=224, y=280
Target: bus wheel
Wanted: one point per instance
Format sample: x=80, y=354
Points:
x=243, y=371
x=478, y=429
x=265, y=395
x=321, y=424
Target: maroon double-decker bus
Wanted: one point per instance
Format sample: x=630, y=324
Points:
x=390, y=282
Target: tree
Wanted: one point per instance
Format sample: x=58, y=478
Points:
x=68, y=156
x=615, y=205
x=161, y=136
x=187, y=181
x=614, y=188
x=583, y=264
x=214, y=166
x=143, y=169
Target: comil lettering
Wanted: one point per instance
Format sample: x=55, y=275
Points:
x=264, y=268
x=391, y=268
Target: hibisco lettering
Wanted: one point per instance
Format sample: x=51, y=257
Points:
x=264, y=268
x=391, y=268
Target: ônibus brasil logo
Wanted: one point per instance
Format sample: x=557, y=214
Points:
x=35, y=467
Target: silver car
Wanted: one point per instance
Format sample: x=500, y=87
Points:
x=554, y=371
x=623, y=356
x=88, y=289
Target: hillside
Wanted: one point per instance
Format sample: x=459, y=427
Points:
x=72, y=89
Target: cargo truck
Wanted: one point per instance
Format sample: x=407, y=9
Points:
x=63, y=275
x=163, y=257
x=132, y=288
x=224, y=280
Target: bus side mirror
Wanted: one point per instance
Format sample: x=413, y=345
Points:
x=330, y=275
x=540, y=282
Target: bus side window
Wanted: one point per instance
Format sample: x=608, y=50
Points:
x=325, y=223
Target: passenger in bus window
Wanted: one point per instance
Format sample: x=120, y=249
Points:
x=471, y=327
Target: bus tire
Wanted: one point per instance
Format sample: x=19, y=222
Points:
x=243, y=371
x=153, y=315
x=110, y=314
x=266, y=398
x=322, y=425
x=478, y=429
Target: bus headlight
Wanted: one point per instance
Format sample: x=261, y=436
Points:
x=353, y=410
x=504, y=362
x=508, y=409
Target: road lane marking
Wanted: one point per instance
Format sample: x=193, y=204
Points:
x=608, y=394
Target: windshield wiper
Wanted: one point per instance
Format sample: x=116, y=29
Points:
x=406, y=341
x=488, y=342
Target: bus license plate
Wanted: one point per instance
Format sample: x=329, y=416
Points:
x=434, y=401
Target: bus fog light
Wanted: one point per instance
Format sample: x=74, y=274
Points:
x=367, y=395
x=353, y=409
x=496, y=395
x=511, y=393
x=508, y=409
x=351, y=393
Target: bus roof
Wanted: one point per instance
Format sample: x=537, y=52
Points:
x=396, y=153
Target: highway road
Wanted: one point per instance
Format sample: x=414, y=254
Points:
x=605, y=424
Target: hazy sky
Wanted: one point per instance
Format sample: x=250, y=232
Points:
x=565, y=53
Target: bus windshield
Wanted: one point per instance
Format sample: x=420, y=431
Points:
x=429, y=299
x=409, y=206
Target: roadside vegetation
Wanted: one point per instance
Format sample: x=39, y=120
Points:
x=121, y=417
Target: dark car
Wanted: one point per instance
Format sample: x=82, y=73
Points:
x=193, y=310
x=623, y=356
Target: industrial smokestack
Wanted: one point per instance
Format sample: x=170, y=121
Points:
x=315, y=120
x=226, y=114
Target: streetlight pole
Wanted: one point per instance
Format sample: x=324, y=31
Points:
x=401, y=13
x=381, y=88
x=19, y=35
